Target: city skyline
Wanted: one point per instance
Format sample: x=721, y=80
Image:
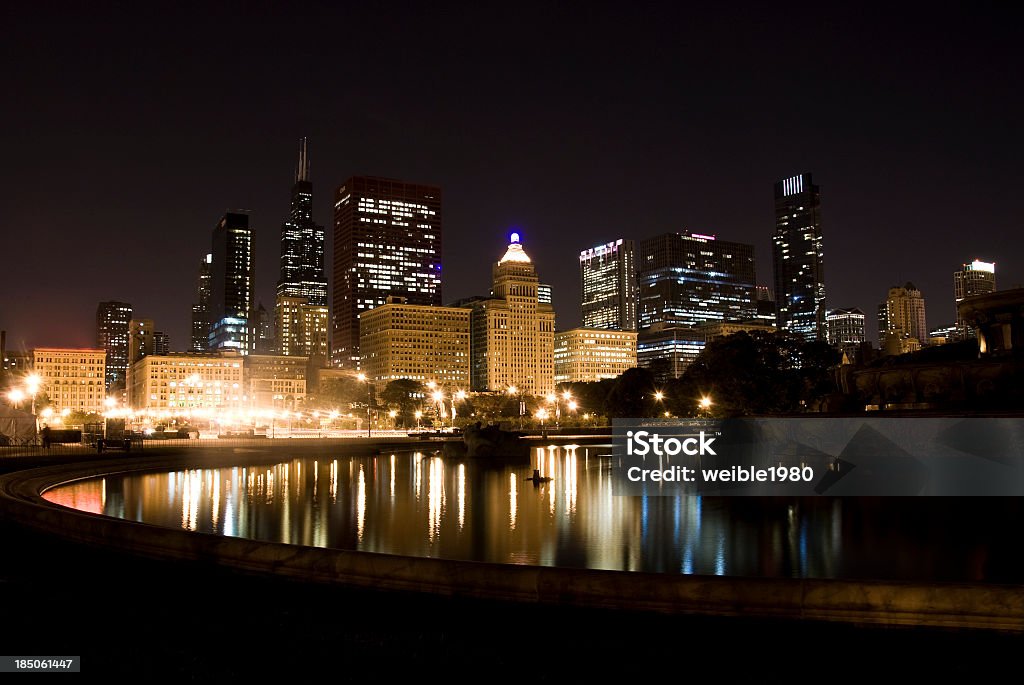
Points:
x=926, y=170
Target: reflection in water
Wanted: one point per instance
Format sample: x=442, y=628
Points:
x=401, y=505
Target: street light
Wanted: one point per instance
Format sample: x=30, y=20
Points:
x=369, y=392
x=705, y=404
x=418, y=415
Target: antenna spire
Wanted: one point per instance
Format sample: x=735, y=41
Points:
x=303, y=169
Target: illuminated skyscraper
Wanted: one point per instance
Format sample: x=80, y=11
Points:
x=302, y=243
x=201, y=309
x=906, y=327
x=691, y=279
x=112, y=336
x=976, y=278
x=608, y=280
x=512, y=334
x=231, y=284
x=387, y=241
x=799, y=258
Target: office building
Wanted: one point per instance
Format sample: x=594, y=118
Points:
x=720, y=329
x=764, y=306
x=161, y=343
x=302, y=243
x=511, y=332
x=976, y=278
x=846, y=330
x=667, y=350
x=609, y=286
x=201, y=319
x=112, y=336
x=231, y=284
x=419, y=342
x=586, y=355
x=544, y=294
x=141, y=339
x=183, y=382
x=275, y=382
x=72, y=379
x=387, y=241
x=799, y=258
x=906, y=327
x=688, y=279
x=302, y=329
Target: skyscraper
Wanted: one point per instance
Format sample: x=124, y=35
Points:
x=976, y=278
x=302, y=242
x=512, y=335
x=231, y=284
x=905, y=320
x=112, y=336
x=691, y=278
x=799, y=258
x=201, y=318
x=300, y=309
x=608, y=280
x=387, y=241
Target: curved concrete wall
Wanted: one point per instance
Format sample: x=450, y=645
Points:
x=997, y=607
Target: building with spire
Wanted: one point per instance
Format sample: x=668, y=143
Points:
x=512, y=334
x=300, y=308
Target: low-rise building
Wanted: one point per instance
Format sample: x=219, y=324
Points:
x=584, y=355
x=275, y=381
x=188, y=381
x=72, y=378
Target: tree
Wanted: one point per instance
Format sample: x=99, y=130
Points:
x=341, y=392
x=406, y=396
x=632, y=395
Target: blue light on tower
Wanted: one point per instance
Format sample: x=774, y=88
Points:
x=514, y=237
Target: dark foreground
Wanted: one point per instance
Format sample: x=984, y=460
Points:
x=188, y=621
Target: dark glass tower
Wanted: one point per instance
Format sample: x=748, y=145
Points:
x=231, y=284
x=799, y=259
x=201, y=309
x=112, y=335
x=691, y=279
x=302, y=243
x=387, y=241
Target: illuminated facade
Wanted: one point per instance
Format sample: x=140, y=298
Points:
x=231, y=284
x=190, y=381
x=687, y=279
x=512, y=334
x=667, y=350
x=419, y=342
x=846, y=330
x=201, y=309
x=302, y=328
x=387, y=241
x=584, y=355
x=112, y=336
x=609, y=286
x=275, y=381
x=903, y=317
x=72, y=379
x=976, y=278
x=799, y=258
x=142, y=339
x=302, y=243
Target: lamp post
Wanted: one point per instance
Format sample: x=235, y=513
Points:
x=438, y=397
x=513, y=391
x=369, y=394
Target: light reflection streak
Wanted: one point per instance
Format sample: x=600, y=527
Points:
x=361, y=505
x=461, y=494
x=512, y=501
x=435, y=496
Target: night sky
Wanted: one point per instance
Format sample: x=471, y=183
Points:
x=127, y=133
